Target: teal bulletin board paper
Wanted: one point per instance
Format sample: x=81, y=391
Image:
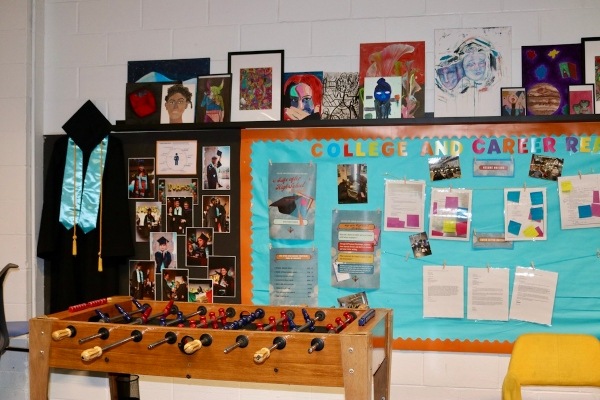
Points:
x=571, y=253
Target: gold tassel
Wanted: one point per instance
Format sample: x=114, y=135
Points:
x=74, y=251
x=99, y=262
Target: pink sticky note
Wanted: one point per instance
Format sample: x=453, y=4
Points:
x=596, y=196
x=437, y=233
x=412, y=221
x=434, y=207
x=595, y=209
x=393, y=222
x=452, y=202
x=461, y=228
x=539, y=231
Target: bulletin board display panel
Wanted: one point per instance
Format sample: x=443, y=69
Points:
x=404, y=153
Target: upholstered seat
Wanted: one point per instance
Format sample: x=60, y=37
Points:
x=12, y=328
x=546, y=359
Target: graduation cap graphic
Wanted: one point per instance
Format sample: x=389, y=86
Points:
x=162, y=240
x=203, y=237
x=286, y=205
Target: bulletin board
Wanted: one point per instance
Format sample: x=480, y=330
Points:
x=403, y=153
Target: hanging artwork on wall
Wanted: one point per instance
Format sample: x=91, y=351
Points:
x=591, y=65
x=581, y=99
x=471, y=65
x=398, y=59
x=513, y=101
x=340, y=95
x=302, y=95
x=547, y=73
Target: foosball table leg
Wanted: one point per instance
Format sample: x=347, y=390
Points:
x=40, y=336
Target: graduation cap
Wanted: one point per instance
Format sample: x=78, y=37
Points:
x=203, y=237
x=286, y=205
x=219, y=153
x=162, y=240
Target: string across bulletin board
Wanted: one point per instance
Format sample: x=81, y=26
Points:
x=405, y=153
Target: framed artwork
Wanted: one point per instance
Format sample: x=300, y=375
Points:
x=514, y=101
x=214, y=98
x=581, y=99
x=471, y=65
x=302, y=95
x=256, y=85
x=401, y=59
x=591, y=65
x=143, y=103
x=547, y=72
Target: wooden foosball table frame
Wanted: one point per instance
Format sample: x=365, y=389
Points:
x=355, y=354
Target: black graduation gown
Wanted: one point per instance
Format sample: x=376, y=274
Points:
x=76, y=279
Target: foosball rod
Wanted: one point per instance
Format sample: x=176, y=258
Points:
x=96, y=351
x=103, y=334
x=170, y=337
x=241, y=341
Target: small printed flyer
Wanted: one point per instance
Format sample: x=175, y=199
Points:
x=355, y=253
x=292, y=189
x=293, y=277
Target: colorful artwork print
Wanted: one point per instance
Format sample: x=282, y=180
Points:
x=581, y=99
x=597, y=77
x=340, y=95
x=547, y=73
x=382, y=97
x=214, y=98
x=514, y=102
x=256, y=88
x=400, y=59
x=471, y=65
x=302, y=95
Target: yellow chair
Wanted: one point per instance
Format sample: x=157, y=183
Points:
x=546, y=359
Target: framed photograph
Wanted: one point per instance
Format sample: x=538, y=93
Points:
x=214, y=98
x=591, y=66
x=581, y=99
x=514, y=101
x=256, y=85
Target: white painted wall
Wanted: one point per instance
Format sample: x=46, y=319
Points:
x=56, y=54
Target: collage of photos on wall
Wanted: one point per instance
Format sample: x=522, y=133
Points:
x=180, y=194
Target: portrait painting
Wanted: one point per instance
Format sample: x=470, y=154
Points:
x=148, y=218
x=513, y=101
x=382, y=97
x=581, y=99
x=471, y=65
x=340, y=95
x=214, y=99
x=178, y=103
x=547, y=73
x=302, y=95
x=141, y=183
x=398, y=59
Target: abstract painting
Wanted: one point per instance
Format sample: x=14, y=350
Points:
x=302, y=95
x=402, y=59
x=471, y=65
x=547, y=73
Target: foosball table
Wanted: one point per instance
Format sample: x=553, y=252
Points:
x=292, y=345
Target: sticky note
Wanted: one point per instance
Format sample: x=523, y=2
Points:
x=514, y=227
x=539, y=231
x=461, y=228
x=449, y=226
x=537, y=198
x=596, y=196
x=393, y=222
x=530, y=232
x=412, y=220
x=513, y=196
x=566, y=186
x=434, y=207
x=451, y=202
x=436, y=233
x=585, y=211
x=536, y=213
x=596, y=210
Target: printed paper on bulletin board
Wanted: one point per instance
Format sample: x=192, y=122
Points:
x=403, y=152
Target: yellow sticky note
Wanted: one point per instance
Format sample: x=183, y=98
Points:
x=530, y=232
x=449, y=226
x=566, y=186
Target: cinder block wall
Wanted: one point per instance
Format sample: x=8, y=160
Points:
x=81, y=54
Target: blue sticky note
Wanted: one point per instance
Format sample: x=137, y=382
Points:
x=514, y=227
x=585, y=211
x=514, y=196
x=536, y=213
x=537, y=198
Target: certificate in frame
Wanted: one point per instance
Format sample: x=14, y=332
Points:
x=256, y=85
